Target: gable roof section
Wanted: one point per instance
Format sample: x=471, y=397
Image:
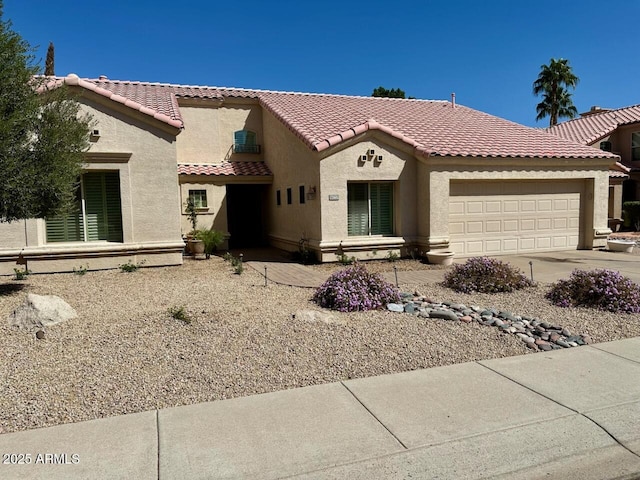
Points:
x=432, y=128
x=589, y=129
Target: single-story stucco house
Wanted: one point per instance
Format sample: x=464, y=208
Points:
x=611, y=130
x=357, y=175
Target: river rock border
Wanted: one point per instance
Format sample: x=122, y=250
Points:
x=536, y=334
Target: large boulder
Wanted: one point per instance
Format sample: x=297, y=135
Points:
x=39, y=311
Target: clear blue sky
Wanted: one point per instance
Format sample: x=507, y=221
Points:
x=487, y=52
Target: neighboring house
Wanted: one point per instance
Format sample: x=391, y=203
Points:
x=616, y=131
x=357, y=175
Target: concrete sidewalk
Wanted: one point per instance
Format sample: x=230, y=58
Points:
x=570, y=414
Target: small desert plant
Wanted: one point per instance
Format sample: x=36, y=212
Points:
x=345, y=259
x=353, y=289
x=485, y=275
x=304, y=254
x=601, y=288
x=130, y=266
x=212, y=239
x=20, y=273
x=236, y=262
x=81, y=270
x=179, y=313
x=392, y=256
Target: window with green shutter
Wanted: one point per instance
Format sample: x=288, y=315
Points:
x=98, y=215
x=370, y=209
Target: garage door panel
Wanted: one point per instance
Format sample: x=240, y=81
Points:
x=491, y=217
x=545, y=205
x=544, y=223
x=493, y=226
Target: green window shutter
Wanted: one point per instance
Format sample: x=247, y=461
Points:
x=65, y=228
x=358, y=209
x=382, y=209
x=240, y=137
x=102, y=206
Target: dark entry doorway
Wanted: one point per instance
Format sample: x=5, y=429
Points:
x=246, y=215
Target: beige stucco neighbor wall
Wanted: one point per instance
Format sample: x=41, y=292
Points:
x=143, y=151
x=438, y=171
x=345, y=165
x=293, y=164
x=209, y=128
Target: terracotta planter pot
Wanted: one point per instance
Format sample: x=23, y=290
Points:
x=196, y=247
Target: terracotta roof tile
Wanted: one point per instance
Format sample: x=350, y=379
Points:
x=226, y=169
x=432, y=128
x=589, y=129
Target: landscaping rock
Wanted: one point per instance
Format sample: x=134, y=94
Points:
x=395, y=307
x=444, y=315
x=39, y=311
x=535, y=334
x=314, y=316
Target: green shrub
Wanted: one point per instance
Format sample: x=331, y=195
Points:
x=602, y=289
x=485, y=275
x=631, y=213
x=353, y=289
x=212, y=239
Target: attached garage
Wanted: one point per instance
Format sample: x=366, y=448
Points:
x=501, y=217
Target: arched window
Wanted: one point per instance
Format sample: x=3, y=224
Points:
x=244, y=141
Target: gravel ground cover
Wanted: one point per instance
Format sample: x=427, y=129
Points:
x=126, y=354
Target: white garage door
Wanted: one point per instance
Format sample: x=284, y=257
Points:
x=491, y=218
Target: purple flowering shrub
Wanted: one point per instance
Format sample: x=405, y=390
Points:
x=485, y=275
x=602, y=289
x=353, y=289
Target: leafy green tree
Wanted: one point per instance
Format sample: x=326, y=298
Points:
x=384, y=92
x=43, y=136
x=553, y=83
x=49, y=68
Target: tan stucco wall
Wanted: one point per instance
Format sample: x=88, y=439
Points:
x=143, y=152
x=215, y=215
x=293, y=164
x=344, y=166
x=209, y=127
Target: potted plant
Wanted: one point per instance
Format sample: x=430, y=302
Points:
x=211, y=239
x=194, y=244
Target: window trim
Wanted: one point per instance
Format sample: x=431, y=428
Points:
x=635, y=150
x=369, y=213
x=196, y=205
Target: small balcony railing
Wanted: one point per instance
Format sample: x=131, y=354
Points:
x=245, y=148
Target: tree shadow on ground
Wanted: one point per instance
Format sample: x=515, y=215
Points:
x=7, y=289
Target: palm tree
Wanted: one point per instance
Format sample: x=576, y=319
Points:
x=553, y=82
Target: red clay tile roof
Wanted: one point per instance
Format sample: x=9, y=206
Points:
x=226, y=169
x=432, y=128
x=618, y=170
x=589, y=129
